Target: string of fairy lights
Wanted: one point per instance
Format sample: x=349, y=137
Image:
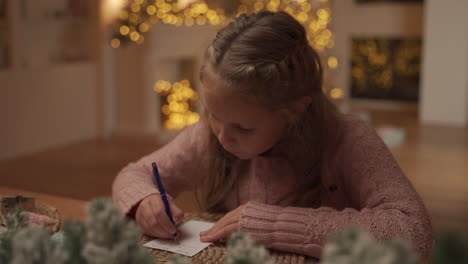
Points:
x=140, y=15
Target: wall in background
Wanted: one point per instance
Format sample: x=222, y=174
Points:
x=445, y=68
x=44, y=108
x=48, y=93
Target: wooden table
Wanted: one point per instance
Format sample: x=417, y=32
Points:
x=68, y=208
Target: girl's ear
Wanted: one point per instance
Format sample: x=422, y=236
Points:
x=295, y=109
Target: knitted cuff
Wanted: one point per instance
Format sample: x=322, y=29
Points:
x=274, y=225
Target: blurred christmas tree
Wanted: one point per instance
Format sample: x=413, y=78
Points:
x=108, y=237
x=451, y=248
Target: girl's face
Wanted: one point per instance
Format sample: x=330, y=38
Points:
x=244, y=129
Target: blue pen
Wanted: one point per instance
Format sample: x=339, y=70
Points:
x=163, y=197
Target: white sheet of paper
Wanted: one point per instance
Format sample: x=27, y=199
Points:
x=189, y=244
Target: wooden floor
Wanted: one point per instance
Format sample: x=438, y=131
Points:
x=434, y=158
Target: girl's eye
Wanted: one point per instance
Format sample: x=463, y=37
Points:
x=245, y=130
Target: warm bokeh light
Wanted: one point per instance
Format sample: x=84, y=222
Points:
x=180, y=98
x=134, y=36
x=144, y=27
x=337, y=93
x=332, y=62
x=385, y=67
x=151, y=10
x=124, y=30
x=115, y=43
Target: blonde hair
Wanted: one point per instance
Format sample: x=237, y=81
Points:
x=267, y=57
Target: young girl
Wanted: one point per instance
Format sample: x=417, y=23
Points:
x=274, y=154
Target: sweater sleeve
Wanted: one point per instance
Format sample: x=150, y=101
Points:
x=382, y=200
x=179, y=163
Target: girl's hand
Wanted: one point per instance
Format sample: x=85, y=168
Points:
x=152, y=218
x=224, y=227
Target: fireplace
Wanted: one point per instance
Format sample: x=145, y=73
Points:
x=386, y=68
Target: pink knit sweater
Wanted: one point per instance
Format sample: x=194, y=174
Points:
x=365, y=187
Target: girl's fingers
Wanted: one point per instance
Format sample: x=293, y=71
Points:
x=157, y=231
x=225, y=221
x=209, y=230
x=150, y=226
x=160, y=216
x=221, y=233
x=142, y=221
x=218, y=225
x=161, y=233
x=154, y=228
x=152, y=217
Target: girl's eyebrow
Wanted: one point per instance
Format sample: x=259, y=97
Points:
x=211, y=113
x=234, y=124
